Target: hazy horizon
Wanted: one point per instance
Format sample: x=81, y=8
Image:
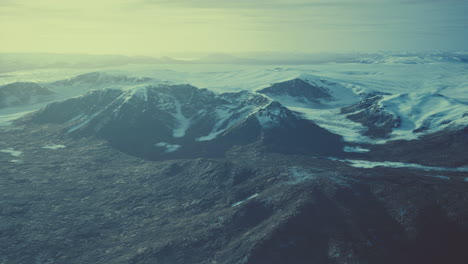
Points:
x=165, y=28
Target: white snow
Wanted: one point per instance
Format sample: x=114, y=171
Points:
x=53, y=146
x=83, y=121
x=417, y=109
x=356, y=149
x=228, y=116
x=372, y=164
x=331, y=120
x=222, y=114
x=183, y=122
x=11, y=151
x=245, y=200
x=269, y=116
x=142, y=92
x=441, y=177
x=168, y=147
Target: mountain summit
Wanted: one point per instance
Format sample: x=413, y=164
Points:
x=182, y=121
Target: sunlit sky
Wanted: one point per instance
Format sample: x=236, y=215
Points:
x=159, y=27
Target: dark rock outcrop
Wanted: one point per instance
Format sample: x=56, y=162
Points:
x=446, y=148
x=379, y=123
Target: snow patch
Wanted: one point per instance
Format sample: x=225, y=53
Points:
x=333, y=121
x=423, y=112
x=168, y=147
x=11, y=151
x=53, y=146
x=269, y=116
x=83, y=121
x=441, y=177
x=245, y=200
x=143, y=92
x=355, y=149
x=183, y=122
x=223, y=115
x=390, y=164
x=225, y=120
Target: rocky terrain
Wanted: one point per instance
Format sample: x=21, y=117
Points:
x=68, y=200
x=148, y=172
x=379, y=123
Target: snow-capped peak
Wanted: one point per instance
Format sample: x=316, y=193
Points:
x=178, y=115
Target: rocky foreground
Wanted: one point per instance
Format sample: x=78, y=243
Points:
x=79, y=200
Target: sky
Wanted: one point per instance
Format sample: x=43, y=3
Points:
x=164, y=27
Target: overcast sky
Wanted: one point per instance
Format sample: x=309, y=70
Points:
x=156, y=27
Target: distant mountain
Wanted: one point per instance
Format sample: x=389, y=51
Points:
x=23, y=93
x=10, y=62
x=100, y=80
x=384, y=57
x=310, y=91
x=83, y=83
x=411, y=57
x=181, y=121
x=299, y=89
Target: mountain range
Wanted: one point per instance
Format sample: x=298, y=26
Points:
x=131, y=169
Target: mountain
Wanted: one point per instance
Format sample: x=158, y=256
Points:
x=407, y=115
x=444, y=148
x=11, y=62
x=83, y=83
x=411, y=57
x=299, y=89
x=99, y=80
x=23, y=93
x=379, y=122
x=138, y=171
x=310, y=91
x=182, y=121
